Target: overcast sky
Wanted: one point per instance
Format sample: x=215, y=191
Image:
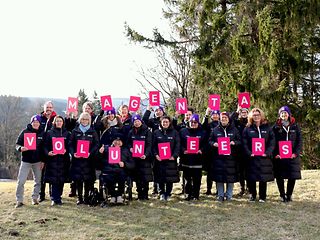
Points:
x=54, y=48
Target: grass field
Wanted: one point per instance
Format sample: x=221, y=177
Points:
x=175, y=219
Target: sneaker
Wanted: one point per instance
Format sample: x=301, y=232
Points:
x=262, y=200
x=120, y=199
x=35, y=202
x=80, y=201
x=162, y=197
x=72, y=194
x=228, y=198
x=220, y=199
x=289, y=198
x=252, y=199
x=53, y=203
x=113, y=200
x=167, y=198
x=283, y=199
x=41, y=199
x=19, y=204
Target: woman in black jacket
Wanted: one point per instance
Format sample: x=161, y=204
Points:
x=143, y=170
x=259, y=168
x=224, y=167
x=166, y=170
x=191, y=163
x=82, y=170
x=57, y=168
x=116, y=173
x=286, y=129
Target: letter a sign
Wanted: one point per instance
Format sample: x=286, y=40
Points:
x=30, y=141
x=258, y=146
x=164, y=150
x=244, y=100
x=138, y=148
x=58, y=145
x=106, y=102
x=72, y=104
x=83, y=148
x=114, y=155
x=285, y=149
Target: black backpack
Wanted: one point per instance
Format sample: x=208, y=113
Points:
x=94, y=198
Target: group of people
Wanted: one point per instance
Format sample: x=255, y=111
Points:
x=111, y=129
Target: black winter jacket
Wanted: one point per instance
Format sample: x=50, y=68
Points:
x=31, y=156
x=259, y=168
x=57, y=168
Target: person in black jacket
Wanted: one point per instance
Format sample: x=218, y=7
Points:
x=286, y=129
x=191, y=163
x=259, y=168
x=240, y=120
x=154, y=124
x=224, y=167
x=208, y=127
x=57, y=169
x=82, y=170
x=30, y=159
x=115, y=173
x=125, y=118
x=166, y=170
x=143, y=168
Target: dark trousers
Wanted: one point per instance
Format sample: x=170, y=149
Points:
x=142, y=189
x=88, y=185
x=56, y=191
x=242, y=175
x=111, y=188
x=165, y=188
x=209, y=184
x=262, y=189
x=192, y=178
x=290, y=187
x=42, y=193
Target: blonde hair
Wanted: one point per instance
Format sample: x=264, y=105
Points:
x=83, y=116
x=250, y=116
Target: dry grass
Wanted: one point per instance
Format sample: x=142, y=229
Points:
x=175, y=219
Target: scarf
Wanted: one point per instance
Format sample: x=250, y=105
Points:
x=112, y=123
x=84, y=128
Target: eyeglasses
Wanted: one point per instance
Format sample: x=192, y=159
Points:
x=256, y=115
x=87, y=119
x=194, y=122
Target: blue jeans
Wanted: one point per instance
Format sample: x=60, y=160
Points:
x=229, y=190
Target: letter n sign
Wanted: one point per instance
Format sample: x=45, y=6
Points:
x=138, y=148
x=258, y=146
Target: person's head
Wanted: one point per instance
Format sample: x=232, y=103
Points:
x=159, y=112
x=188, y=114
x=137, y=121
x=194, y=121
x=58, y=121
x=224, y=118
x=284, y=113
x=111, y=114
x=244, y=112
x=85, y=119
x=48, y=108
x=165, y=122
x=117, y=142
x=124, y=110
x=35, y=121
x=256, y=116
x=88, y=107
x=215, y=115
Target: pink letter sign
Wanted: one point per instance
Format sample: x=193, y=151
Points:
x=214, y=102
x=224, y=146
x=181, y=105
x=285, y=149
x=192, y=145
x=58, y=145
x=154, y=98
x=244, y=100
x=138, y=148
x=106, y=102
x=30, y=141
x=114, y=155
x=164, y=150
x=83, y=148
x=258, y=146
x=134, y=103
x=72, y=104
